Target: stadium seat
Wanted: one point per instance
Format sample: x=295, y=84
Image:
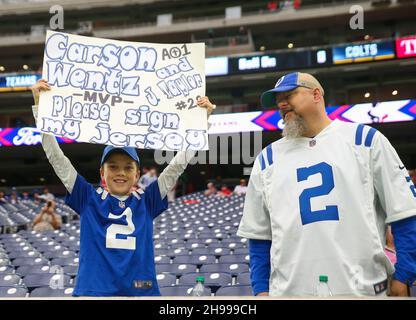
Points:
x=177, y=269
x=30, y=261
x=211, y=279
x=71, y=270
x=201, y=251
x=233, y=258
x=235, y=291
x=9, y=280
x=6, y=270
x=194, y=259
x=243, y=279
x=28, y=269
x=219, y=251
x=165, y=280
x=178, y=252
x=13, y=292
x=162, y=259
x=4, y=261
x=44, y=280
x=68, y=261
x=241, y=251
x=60, y=254
x=232, y=268
x=49, y=292
x=24, y=254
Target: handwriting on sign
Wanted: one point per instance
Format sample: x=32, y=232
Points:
x=124, y=93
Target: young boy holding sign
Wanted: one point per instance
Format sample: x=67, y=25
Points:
x=116, y=247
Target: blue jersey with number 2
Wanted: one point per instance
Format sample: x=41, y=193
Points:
x=116, y=246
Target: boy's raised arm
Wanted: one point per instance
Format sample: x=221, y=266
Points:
x=60, y=163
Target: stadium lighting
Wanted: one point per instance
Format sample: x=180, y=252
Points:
x=290, y=45
x=367, y=36
x=42, y=179
x=367, y=95
x=3, y=180
x=395, y=92
x=25, y=67
x=2, y=68
x=262, y=48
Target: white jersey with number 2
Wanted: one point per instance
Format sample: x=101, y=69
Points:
x=324, y=203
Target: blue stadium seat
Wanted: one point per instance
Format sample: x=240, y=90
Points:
x=69, y=261
x=201, y=251
x=178, y=252
x=49, y=292
x=162, y=259
x=219, y=251
x=194, y=259
x=24, y=254
x=13, y=292
x=6, y=270
x=241, y=251
x=211, y=279
x=46, y=279
x=71, y=270
x=9, y=280
x=165, y=280
x=60, y=254
x=233, y=258
x=235, y=291
x=4, y=261
x=161, y=251
x=177, y=269
x=233, y=268
x=28, y=269
x=29, y=261
x=243, y=279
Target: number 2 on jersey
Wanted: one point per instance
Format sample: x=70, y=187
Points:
x=113, y=230
x=306, y=213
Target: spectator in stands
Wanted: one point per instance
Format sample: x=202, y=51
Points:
x=47, y=219
x=36, y=197
x=148, y=178
x=47, y=196
x=272, y=5
x=225, y=192
x=2, y=198
x=241, y=188
x=390, y=249
x=14, y=199
x=211, y=190
x=25, y=195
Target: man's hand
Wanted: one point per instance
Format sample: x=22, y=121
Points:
x=398, y=289
x=204, y=102
x=41, y=85
x=263, y=294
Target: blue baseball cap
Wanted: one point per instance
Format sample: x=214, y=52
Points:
x=289, y=82
x=130, y=151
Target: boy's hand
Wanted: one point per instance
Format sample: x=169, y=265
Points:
x=204, y=102
x=41, y=85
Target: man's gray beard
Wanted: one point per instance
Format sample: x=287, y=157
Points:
x=294, y=128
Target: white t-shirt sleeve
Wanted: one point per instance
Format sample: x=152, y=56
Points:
x=60, y=163
x=255, y=223
x=392, y=183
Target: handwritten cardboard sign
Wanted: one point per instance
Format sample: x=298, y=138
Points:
x=123, y=93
